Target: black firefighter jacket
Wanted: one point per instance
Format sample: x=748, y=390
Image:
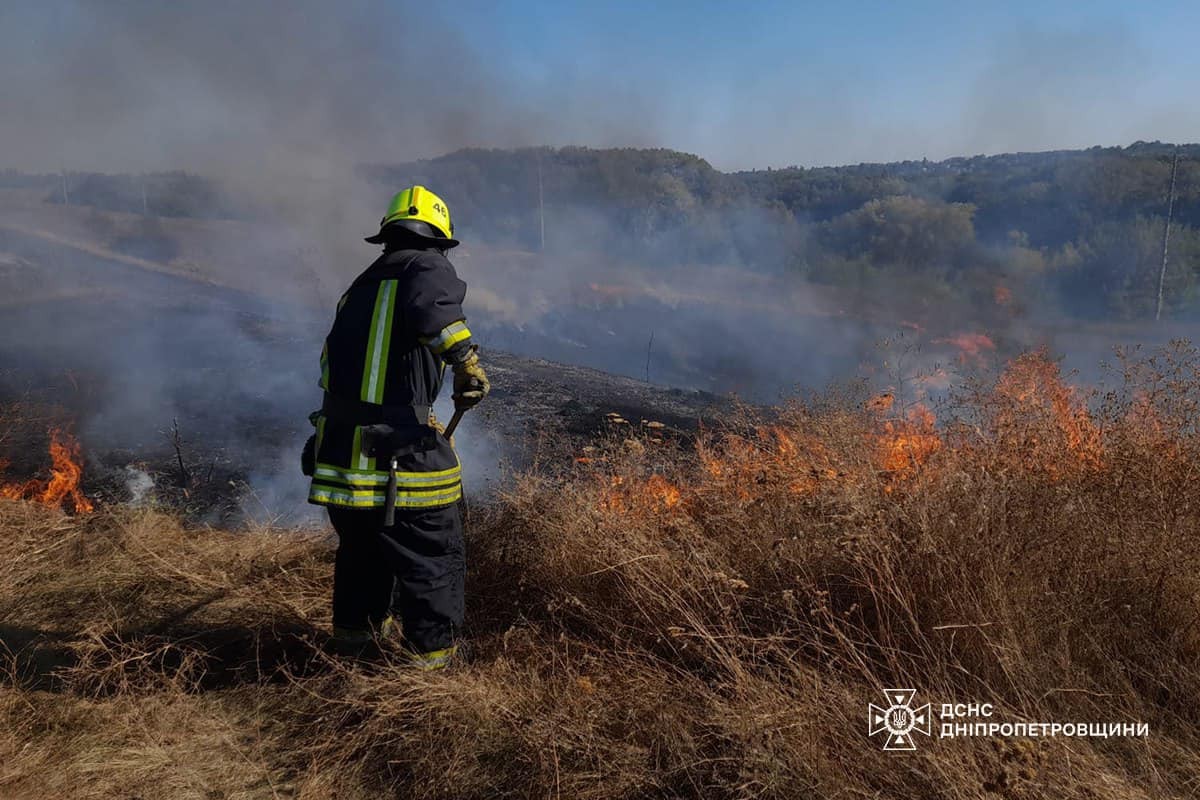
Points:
x=384, y=359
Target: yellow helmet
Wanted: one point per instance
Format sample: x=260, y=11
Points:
x=422, y=212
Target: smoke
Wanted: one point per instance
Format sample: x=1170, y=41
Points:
x=279, y=102
x=283, y=102
x=302, y=88
x=282, y=99
x=138, y=483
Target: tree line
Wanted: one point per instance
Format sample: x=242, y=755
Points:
x=1084, y=227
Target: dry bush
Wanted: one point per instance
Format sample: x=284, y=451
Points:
x=678, y=622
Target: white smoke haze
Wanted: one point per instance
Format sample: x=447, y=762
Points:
x=139, y=484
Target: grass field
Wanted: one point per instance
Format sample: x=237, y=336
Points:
x=652, y=621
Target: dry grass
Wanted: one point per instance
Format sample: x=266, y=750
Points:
x=661, y=623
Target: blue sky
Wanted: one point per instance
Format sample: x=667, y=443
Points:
x=319, y=85
x=769, y=83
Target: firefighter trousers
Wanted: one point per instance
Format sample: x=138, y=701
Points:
x=414, y=571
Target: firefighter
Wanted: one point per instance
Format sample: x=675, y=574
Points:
x=397, y=328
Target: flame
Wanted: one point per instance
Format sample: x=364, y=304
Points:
x=1032, y=390
x=664, y=491
x=1030, y=421
x=63, y=485
x=906, y=444
x=971, y=346
x=656, y=492
x=1002, y=294
x=784, y=459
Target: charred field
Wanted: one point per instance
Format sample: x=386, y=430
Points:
x=672, y=593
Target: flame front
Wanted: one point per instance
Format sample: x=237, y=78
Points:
x=65, y=473
x=1031, y=421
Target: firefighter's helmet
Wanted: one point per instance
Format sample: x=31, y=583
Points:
x=421, y=212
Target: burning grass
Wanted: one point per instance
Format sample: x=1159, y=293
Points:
x=61, y=489
x=666, y=622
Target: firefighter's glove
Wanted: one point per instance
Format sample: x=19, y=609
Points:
x=470, y=382
x=439, y=426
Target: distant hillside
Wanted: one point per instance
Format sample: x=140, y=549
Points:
x=1085, y=225
x=1078, y=230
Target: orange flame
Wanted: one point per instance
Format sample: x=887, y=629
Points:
x=906, y=444
x=63, y=485
x=1032, y=389
x=664, y=491
x=656, y=492
x=971, y=346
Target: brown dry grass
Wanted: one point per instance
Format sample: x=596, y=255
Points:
x=658, y=623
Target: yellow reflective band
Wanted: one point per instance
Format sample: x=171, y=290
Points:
x=367, y=499
x=379, y=341
x=449, y=336
x=354, y=476
x=435, y=659
x=426, y=479
x=351, y=476
x=413, y=491
x=428, y=498
x=361, y=460
x=341, y=497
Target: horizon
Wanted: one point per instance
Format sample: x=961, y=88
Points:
x=769, y=168
x=844, y=165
